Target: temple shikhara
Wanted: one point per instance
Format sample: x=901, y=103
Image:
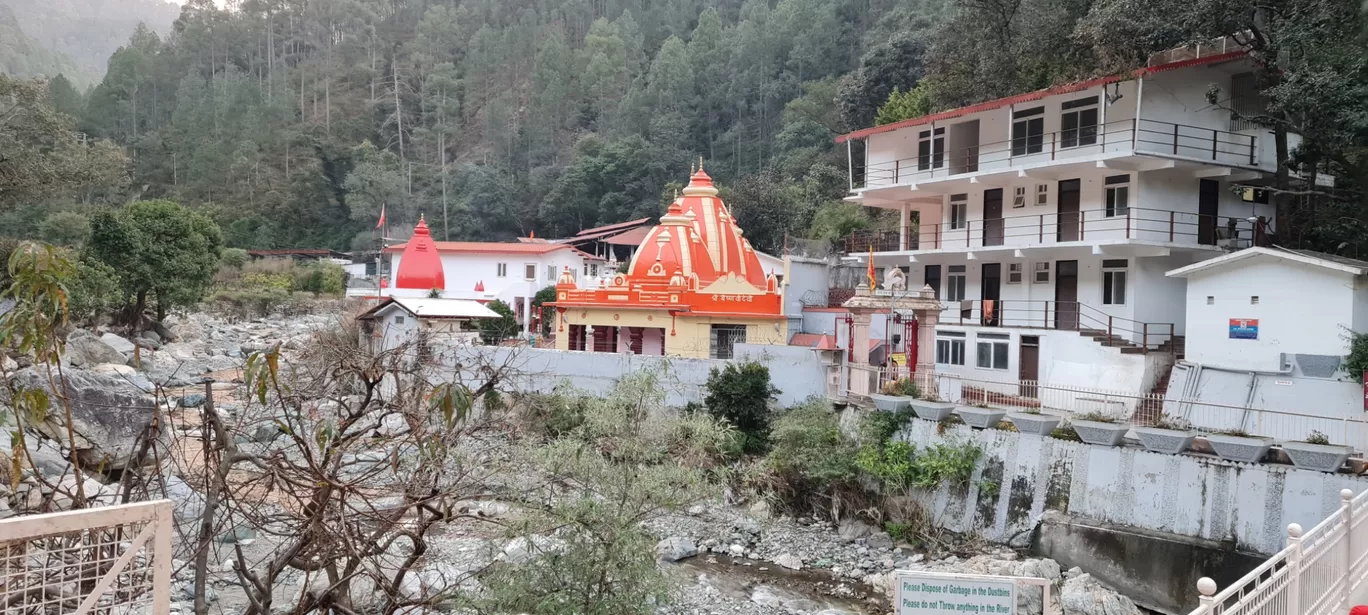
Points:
x=695, y=287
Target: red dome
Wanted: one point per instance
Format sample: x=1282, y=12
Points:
x=719, y=247
x=420, y=267
x=672, y=246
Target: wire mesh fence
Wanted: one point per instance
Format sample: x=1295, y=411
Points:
x=114, y=560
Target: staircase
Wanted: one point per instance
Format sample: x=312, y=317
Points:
x=1112, y=341
x=1152, y=407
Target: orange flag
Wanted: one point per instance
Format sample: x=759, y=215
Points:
x=871, y=267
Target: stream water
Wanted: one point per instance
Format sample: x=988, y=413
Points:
x=808, y=591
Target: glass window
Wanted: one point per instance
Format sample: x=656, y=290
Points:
x=1019, y=197
x=1078, y=123
x=1114, y=281
x=1028, y=131
x=931, y=149
x=529, y=272
x=949, y=351
x=1042, y=273
x=502, y=269
x=992, y=354
x=1042, y=194
x=1014, y=273
x=959, y=211
x=551, y=274
x=1118, y=195
x=955, y=283
x=933, y=278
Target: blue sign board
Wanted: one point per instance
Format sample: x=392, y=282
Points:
x=1244, y=328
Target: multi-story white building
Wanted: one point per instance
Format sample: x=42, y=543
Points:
x=1046, y=221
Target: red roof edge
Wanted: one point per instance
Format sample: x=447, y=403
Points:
x=1038, y=94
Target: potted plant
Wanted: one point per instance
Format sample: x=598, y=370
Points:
x=1238, y=445
x=1317, y=453
x=930, y=407
x=980, y=415
x=1169, y=435
x=1066, y=433
x=1032, y=420
x=1099, y=428
x=896, y=395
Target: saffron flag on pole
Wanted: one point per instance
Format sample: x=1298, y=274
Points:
x=871, y=267
x=381, y=222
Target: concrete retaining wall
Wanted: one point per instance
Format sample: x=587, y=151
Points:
x=1245, y=506
x=797, y=372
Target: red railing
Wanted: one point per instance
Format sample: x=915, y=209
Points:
x=1121, y=136
x=1088, y=225
x=1107, y=329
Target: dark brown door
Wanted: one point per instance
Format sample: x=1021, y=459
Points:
x=1208, y=204
x=992, y=295
x=1069, y=218
x=992, y=217
x=1028, y=365
x=1066, y=295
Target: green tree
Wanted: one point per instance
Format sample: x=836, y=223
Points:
x=65, y=228
x=64, y=97
x=159, y=249
x=548, y=313
x=495, y=330
x=915, y=102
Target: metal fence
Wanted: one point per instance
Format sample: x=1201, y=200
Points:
x=1137, y=409
x=114, y=560
x=1317, y=573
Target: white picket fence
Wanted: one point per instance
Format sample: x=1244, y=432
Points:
x=113, y=560
x=1319, y=572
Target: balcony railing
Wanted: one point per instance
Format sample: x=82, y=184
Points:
x=1089, y=225
x=1106, y=329
x=1117, y=137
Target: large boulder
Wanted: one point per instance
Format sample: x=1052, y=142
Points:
x=117, y=342
x=84, y=350
x=108, y=414
x=184, y=329
x=1084, y=595
x=676, y=548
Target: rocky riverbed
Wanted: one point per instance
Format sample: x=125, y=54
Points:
x=727, y=560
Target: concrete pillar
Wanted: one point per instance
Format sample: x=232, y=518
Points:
x=859, y=341
x=527, y=315
x=904, y=214
x=927, y=319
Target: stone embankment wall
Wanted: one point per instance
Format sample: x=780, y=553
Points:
x=1244, y=505
x=797, y=372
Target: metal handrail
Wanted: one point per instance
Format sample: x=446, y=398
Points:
x=1045, y=229
x=1142, y=135
x=1042, y=314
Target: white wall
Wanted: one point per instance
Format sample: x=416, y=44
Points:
x=1302, y=309
x=464, y=270
x=1066, y=359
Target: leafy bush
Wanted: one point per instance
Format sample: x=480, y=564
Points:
x=904, y=387
x=1316, y=437
x=93, y=291
x=741, y=395
x=879, y=427
x=807, y=446
x=1065, y=432
x=320, y=278
x=65, y=228
x=234, y=257
x=1357, y=360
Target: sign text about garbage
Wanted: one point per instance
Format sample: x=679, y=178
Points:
x=927, y=594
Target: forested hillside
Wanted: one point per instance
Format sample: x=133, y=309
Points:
x=22, y=56
x=291, y=122
x=85, y=32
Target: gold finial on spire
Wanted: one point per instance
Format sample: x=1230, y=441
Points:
x=700, y=163
x=691, y=168
x=420, y=217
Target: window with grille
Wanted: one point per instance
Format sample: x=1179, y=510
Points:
x=576, y=337
x=1114, y=281
x=551, y=273
x=1246, y=101
x=1078, y=123
x=1118, y=195
x=1028, y=131
x=723, y=340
